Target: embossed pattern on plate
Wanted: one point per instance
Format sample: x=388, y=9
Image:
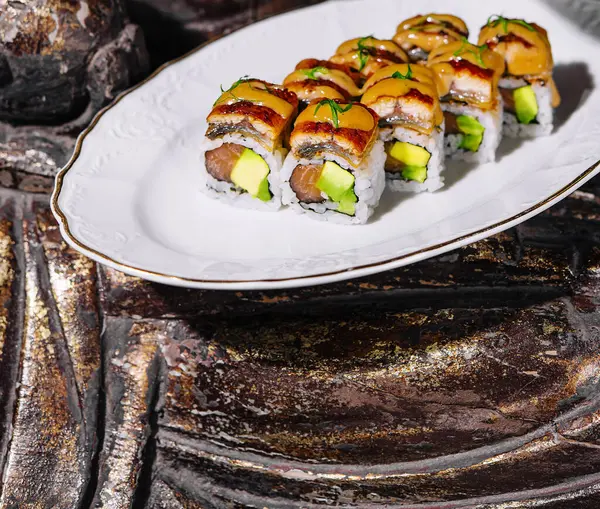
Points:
x=130, y=197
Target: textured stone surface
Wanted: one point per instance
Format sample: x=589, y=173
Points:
x=51, y=363
x=470, y=380
x=130, y=368
x=473, y=377
x=174, y=27
x=46, y=48
x=60, y=62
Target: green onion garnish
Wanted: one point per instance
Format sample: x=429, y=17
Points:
x=236, y=84
x=478, y=54
x=311, y=73
x=335, y=109
x=495, y=19
x=399, y=76
x=364, y=52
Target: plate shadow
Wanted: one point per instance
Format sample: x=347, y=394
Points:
x=456, y=170
x=389, y=201
x=508, y=146
x=573, y=81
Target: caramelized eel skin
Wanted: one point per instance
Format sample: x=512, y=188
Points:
x=323, y=83
x=527, y=52
x=379, y=54
x=443, y=20
x=419, y=73
x=255, y=108
x=311, y=63
x=411, y=101
x=429, y=32
x=468, y=73
x=315, y=133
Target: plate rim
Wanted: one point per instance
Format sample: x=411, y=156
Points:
x=289, y=282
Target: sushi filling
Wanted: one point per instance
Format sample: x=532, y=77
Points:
x=317, y=183
x=242, y=167
x=522, y=103
x=469, y=128
x=407, y=161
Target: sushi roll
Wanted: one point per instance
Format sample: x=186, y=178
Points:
x=244, y=149
x=311, y=63
x=334, y=171
x=405, y=98
x=467, y=79
x=320, y=82
x=420, y=35
x=527, y=87
x=367, y=55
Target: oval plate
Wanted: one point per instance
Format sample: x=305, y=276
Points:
x=129, y=197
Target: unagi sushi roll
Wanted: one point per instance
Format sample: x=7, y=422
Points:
x=320, y=82
x=334, y=171
x=420, y=35
x=405, y=98
x=527, y=87
x=367, y=55
x=467, y=79
x=244, y=147
x=311, y=63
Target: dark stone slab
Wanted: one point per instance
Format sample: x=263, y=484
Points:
x=130, y=376
x=50, y=385
x=60, y=62
x=164, y=497
x=517, y=271
x=214, y=483
x=11, y=314
x=469, y=380
x=45, y=48
x=173, y=28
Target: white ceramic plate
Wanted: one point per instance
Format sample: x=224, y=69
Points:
x=129, y=197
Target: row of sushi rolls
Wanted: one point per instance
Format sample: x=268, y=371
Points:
x=328, y=140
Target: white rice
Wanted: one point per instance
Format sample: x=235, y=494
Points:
x=544, y=123
x=368, y=186
x=491, y=121
x=230, y=193
x=434, y=144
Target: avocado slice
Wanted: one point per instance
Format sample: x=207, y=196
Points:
x=416, y=173
x=250, y=173
x=471, y=142
x=334, y=181
x=526, y=105
x=409, y=154
x=347, y=203
x=469, y=125
x=338, y=184
x=473, y=132
x=263, y=191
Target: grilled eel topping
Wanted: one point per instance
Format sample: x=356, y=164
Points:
x=321, y=83
x=405, y=94
x=253, y=108
x=311, y=63
x=467, y=73
x=525, y=47
x=338, y=128
x=414, y=72
x=420, y=35
x=368, y=54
